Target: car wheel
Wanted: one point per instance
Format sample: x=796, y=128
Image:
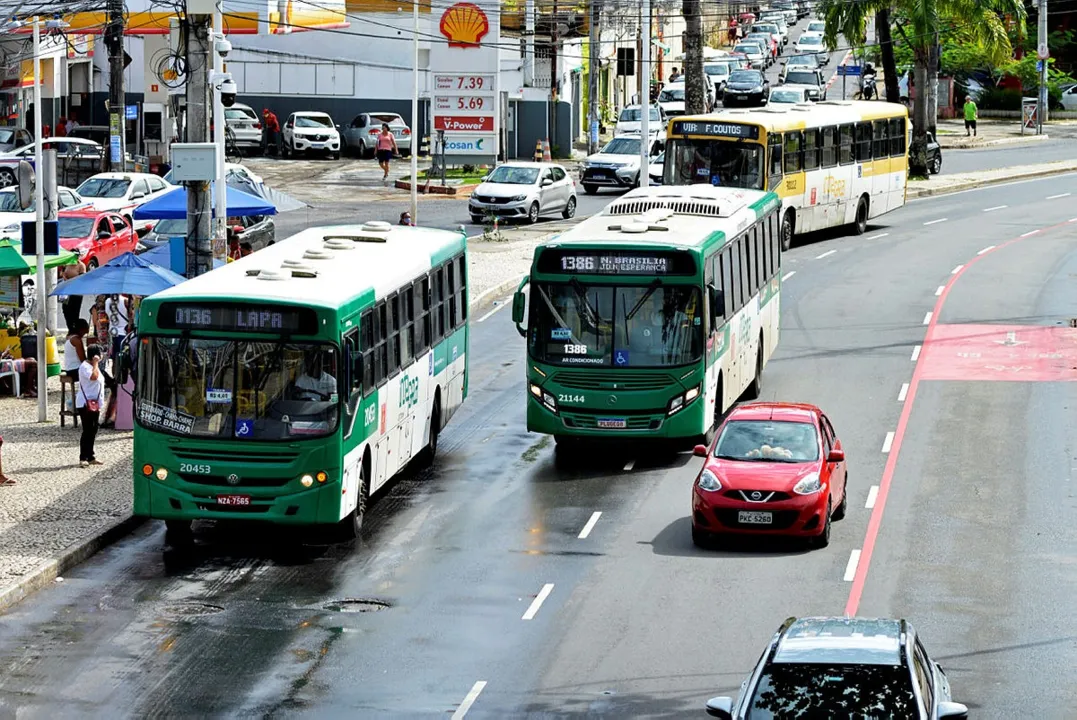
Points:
x=285, y=151
x=7, y=178
x=533, y=213
x=860, y=225
x=93, y=264
x=823, y=539
x=839, y=514
x=476, y=219
x=334, y=156
x=788, y=228
x=936, y=164
x=590, y=189
x=570, y=209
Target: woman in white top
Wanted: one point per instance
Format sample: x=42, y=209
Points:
x=91, y=392
x=75, y=348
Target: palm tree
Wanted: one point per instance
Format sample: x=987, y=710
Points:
x=918, y=24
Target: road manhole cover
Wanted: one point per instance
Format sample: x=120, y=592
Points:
x=192, y=609
x=357, y=605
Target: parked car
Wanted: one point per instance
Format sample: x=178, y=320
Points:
x=98, y=133
x=12, y=216
x=748, y=88
x=758, y=56
x=657, y=168
x=773, y=469
x=524, y=190
x=245, y=124
x=13, y=137
x=816, y=26
x=258, y=230
x=798, y=62
x=629, y=121
x=789, y=95
x=361, y=135
x=1069, y=98
x=810, y=78
x=767, y=42
x=96, y=236
x=831, y=667
x=778, y=19
x=123, y=192
x=671, y=99
x=308, y=132
x=813, y=43
x=617, y=165
x=790, y=10
x=719, y=74
x=775, y=33
x=934, y=155
x=74, y=156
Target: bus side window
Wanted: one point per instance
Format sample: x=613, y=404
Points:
x=793, y=159
x=422, y=324
x=737, y=298
x=450, y=295
x=764, y=250
x=881, y=139
x=775, y=245
x=394, y=335
x=354, y=369
x=407, y=330
x=437, y=308
x=381, y=339
x=461, y=286
x=897, y=137
x=831, y=141
x=366, y=344
x=845, y=153
x=812, y=139
x=726, y=263
x=863, y=142
x=774, y=149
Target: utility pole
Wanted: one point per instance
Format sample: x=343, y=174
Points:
x=199, y=208
x=39, y=217
x=1043, y=53
x=555, y=80
x=220, y=188
x=415, y=111
x=645, y=99
x=115, y=158
x=594, y=60
x=48, y=177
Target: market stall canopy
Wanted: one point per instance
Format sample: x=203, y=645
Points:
x=709, y=53
x=13, y=263
x=173, y=205
x=128, y=274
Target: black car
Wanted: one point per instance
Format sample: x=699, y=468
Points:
x=934, y=155
x=831, y=667
x=258, y=230
x=746, y=88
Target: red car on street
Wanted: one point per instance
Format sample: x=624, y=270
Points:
x=773, y=469
x=97, y=236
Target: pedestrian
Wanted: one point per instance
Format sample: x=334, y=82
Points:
x=4, y=479
x=970, y=116
x=732, y=31
x=88, y=403
x=72, y=304
x=386, y=150
x=405, y=219
x=675, y=75
x=61, y=127
x=75, y=348
x=245, y=249
x=271, y=132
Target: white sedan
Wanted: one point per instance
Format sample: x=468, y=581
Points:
x=12, y=216
x=123, y=192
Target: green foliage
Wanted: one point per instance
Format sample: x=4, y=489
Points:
x=1025, y=71
x=999, y=99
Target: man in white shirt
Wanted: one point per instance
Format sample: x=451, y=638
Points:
x=313, y=384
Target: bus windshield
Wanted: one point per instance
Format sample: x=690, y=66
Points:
x=707, y=161
x=643, y=326
x=237, y=389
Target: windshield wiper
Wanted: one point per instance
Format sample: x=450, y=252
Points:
x=581, y=295
x=655, y=284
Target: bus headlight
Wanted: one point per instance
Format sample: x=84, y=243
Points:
x=162, y=474
x=536, y=391
x=306, y=481
x=549, y=401
x=680, y=401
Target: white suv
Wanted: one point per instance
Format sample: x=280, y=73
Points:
x=307, y=132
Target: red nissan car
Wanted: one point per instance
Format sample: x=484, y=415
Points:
x=773, y=469
x=97, y=236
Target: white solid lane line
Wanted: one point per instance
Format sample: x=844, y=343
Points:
x=788, y=275
x=933, y=222
x=828, y=253
x=873, y=493
x=956, y=270
x=590, y=525
x=1060, y=195
x=927, y=319
x=1030, y=232
x=997, y=207
x=500, y=304
x=876, y=237
x=629, y=465
x=537, y=602
x=1072, y=220
x=850, y=569
x=903, y=392
x=469, y=700
x=888, y=442
x=940, y=290
x=987, y=249
x=915, y=353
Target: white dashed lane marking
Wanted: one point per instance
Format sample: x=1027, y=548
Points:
x=590, y=525
x=469, y=700
x=986, y=250
x=915, y=353
x=997, y=207
x=927, y=319
x=888, y=442
x=1060, y=195
x=1029, y=233
x=544, y=593
x=940, y=290
x=934, y=222
x=876, y=237
x=903, y=392
x=828, y=253
x=956, y=270
x=788, y=275
x=850, y=567
x=873, y=494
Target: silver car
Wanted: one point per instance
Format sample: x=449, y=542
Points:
x=524, y=190
x=245, y=124
x=361, y=134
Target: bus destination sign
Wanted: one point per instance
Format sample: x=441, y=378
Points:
x=716, y=129
x=616, y=263
x=237, y=318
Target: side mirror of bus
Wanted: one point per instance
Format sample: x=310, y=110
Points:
x=519, y=304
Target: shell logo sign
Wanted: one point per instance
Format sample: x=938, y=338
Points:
x=464, y=24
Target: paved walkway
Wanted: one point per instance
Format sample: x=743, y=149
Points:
x=991, y=133
x=942, y=184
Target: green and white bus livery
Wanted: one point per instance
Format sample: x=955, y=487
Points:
x=291, y=384
x=651, y=318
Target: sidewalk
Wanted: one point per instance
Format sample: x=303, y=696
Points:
x=991, y=133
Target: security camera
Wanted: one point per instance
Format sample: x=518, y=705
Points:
x=222, y=46
x=228, y=92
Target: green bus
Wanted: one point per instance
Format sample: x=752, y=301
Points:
x=290, y=385
x=651, y=318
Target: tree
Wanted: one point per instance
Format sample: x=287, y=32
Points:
x=918, y=24
x=886, y=49
x=695, y=93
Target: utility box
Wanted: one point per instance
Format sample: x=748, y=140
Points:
x=201, y=7
x=194, y=162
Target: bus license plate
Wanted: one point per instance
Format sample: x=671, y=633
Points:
x=234, y=500
x=755, y=518
x=612, y=423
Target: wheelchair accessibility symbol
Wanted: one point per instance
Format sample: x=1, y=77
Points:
x=620, y=358
x=244, y=428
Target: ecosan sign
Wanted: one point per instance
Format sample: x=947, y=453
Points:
x=466, y=84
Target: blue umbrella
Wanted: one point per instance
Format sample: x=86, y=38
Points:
x=128, y=275
x=173, y=205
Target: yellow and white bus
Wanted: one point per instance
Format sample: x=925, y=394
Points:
x=833, y=163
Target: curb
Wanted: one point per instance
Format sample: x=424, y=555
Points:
x=454, y=190
x=1000, y=141
x=916, y=193
x=502, y=287
x=69, y=557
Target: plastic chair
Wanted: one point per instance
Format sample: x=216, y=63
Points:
x=7, y=370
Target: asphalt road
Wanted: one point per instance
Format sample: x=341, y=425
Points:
x=990, y=158
x=973, y=519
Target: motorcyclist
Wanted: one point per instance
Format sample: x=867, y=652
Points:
x=868, y=78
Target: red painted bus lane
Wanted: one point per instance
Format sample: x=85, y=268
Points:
x=979, y=353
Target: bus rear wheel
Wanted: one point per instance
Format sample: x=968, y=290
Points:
x=788, y=226
x=860, y=225
x=426, y=457
x=755, y=389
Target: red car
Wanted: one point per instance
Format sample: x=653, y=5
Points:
x=97, y=236
x=773, y=469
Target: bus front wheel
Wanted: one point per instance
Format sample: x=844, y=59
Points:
x=860, y=225
x=178, y=533
x=426, y=457
x=352, y=525
x=788, y=226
